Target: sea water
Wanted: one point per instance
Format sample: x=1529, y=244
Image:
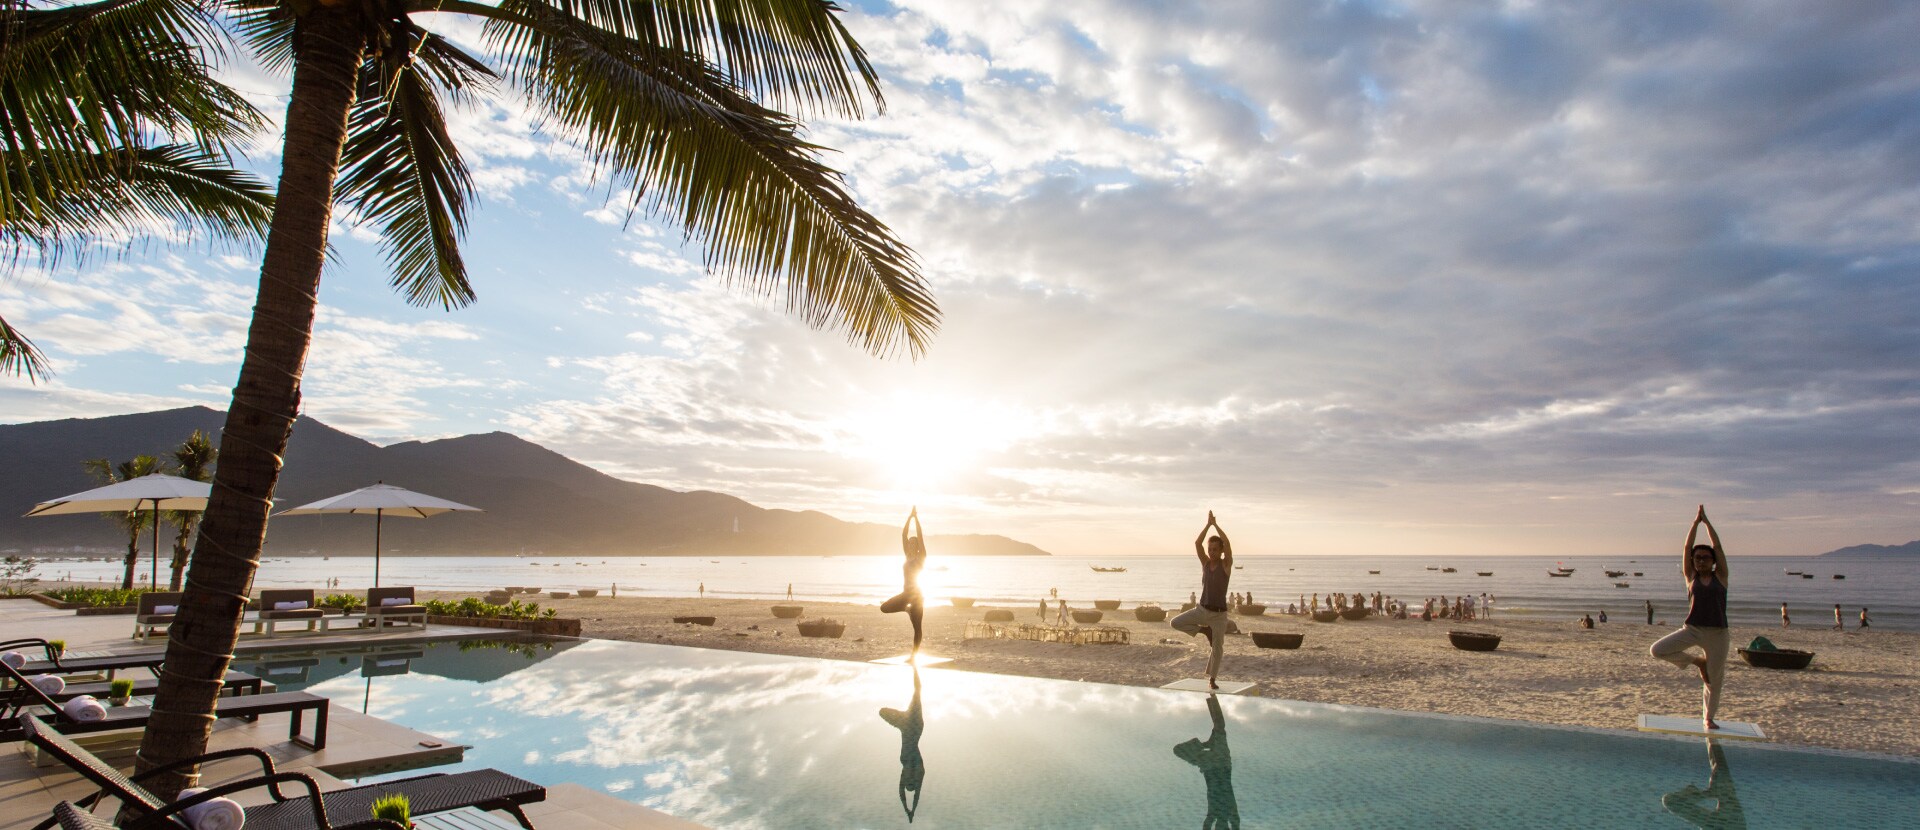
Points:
x=1890, y=586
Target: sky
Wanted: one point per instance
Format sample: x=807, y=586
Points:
x=1370, y=278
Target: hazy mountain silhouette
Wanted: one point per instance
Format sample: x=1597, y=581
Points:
x=1909, y=549
x=535, y=499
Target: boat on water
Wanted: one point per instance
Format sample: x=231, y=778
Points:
x=1616, y=574
x=1449, y=570
x=1839, y=576
x=1795, y=573
x=1243, y=567
x=1375, y=573
x=1484, y=573
x=1557, y=573
x=1621, y=585
x=1098, y=569
x=1432, y=568
x=1806, y=576
x=1564, y=571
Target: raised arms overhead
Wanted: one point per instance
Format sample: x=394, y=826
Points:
x=1200, y=541
x=1720, y=569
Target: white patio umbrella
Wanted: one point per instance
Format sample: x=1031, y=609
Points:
x=381, y=500
x=157, y=492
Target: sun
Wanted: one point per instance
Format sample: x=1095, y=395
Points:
x=927, y=444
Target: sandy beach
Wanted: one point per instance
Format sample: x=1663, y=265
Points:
x=1861, y=693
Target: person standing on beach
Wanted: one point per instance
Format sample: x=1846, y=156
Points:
x=1705, y=569
x=789, y=592
x=1786, y=620
x=1043, y=609
x=913, y=542
x=1837, y=624
x=1649, y=612
x=1863, y=616
x=1210, y=616
x=703, y=590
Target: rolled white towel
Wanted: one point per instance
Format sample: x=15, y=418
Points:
x=14, y=659
x=85, y=709
x=213, y=814
x=165, y=609
x=290, y=606
x=48, y=684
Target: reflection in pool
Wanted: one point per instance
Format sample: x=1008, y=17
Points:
x=732, y=739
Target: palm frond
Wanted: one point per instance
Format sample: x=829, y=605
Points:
x=793, y=55
x=401, y=169
x=18, y=355
x=123, y=191
x=735, y=175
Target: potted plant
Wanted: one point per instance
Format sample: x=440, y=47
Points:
x=394, y=808
x=120, y=691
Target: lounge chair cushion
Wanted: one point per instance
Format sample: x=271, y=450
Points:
x=398, y=609
x=293, y=614
x=156, y=618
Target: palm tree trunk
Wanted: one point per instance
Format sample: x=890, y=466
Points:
x=329, y=41
x=133, y=553
x=179, y=564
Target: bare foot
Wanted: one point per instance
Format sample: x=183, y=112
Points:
x=1212, y=683
x=1711, y=725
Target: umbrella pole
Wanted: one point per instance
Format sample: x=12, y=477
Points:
x=153, y=575
x=378, y=515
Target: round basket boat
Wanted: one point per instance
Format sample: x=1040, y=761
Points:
x=999, y=615
x=1358, y=612
x=1107, y=604
x=588, y=593
x=1473, y=640
x=1251, y=610
x=533, y=590
x=788, y=612
x=822, y=628
x=696, y=621
x=1277, y=639
x=1150, y=613
x=1786, y=659
x=558, y=594
x=1325, y=616
x=961, y=602
x=1087, y=617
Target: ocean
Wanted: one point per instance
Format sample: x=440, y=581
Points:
x=1890, y=586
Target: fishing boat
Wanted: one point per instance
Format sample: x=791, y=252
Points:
x=1098, y=569
x=1794, y=573
x=1621, y=585
x=1839, y=576
x=1449, y=570
x=1557, y=573
x=1375, y=573
x=1484, y=573
x=1432, y=568
x=1564, y=571
x=1616, y=574
x=1806, y=576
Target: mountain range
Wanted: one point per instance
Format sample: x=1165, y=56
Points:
x=1909, y=549
x=536, y=500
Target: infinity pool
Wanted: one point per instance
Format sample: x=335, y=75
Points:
x=738, y=740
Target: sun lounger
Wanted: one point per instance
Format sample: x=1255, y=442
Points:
x=108, y=665
x=270, y=612
x=25, y=695
x=236, y=683
x=384, y=610
x=156, y=612
x=351, y=808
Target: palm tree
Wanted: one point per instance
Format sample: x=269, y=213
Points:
x=111, y=125
x=193, y=460
x=134, y=522
x=677, y=99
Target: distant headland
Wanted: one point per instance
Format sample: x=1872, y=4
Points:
x=1860, y=551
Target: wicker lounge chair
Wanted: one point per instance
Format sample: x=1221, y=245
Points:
x=268, y=615
x=235, y=683
x=24, y=695
x=352, y=808
x=109, y=665
x=406, y=613
x=148, y=619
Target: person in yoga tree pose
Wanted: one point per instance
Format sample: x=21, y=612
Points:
x=913, y=541
x=1705, y=568
x=1210, y=616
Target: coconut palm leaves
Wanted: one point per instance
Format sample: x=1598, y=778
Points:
x=111, y=125
x=192, y=460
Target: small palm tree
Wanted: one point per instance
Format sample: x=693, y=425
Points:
x=134, y=522
x=111, y=125
x=192, y=460
x=676, y=99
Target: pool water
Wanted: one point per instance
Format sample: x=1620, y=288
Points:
x=739, y=740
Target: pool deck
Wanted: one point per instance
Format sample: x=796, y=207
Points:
x=356, y=744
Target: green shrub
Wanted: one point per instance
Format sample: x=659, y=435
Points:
x=473, y=607
x=98, y=597
x=347, y=603
x=393, y=807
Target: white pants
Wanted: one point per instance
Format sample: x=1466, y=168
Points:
x=1190, y=622
x=1715, y=642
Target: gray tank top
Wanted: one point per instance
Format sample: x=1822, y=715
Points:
x=1213, y=586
